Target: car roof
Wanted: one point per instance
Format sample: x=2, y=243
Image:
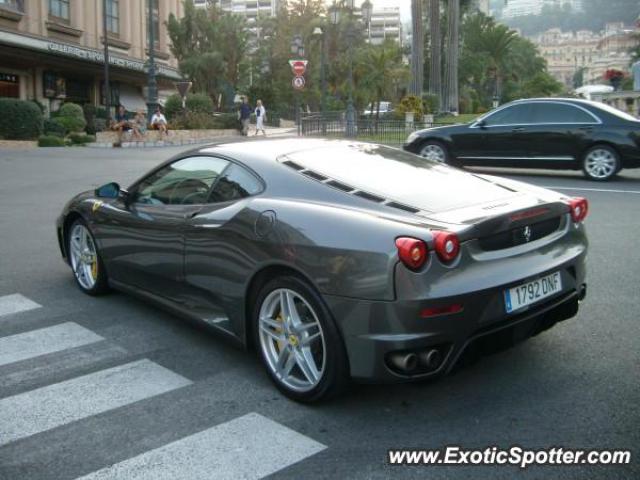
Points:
x=269, y=150
x=580, y=101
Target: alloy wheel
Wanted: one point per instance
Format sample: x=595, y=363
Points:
x=433, y=152
x=292, y=340
x=600, y=163
x=84, y=258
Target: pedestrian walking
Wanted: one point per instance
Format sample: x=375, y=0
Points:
x=261, y=117
x=245, y=115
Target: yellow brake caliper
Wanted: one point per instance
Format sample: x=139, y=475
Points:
x=94, y=268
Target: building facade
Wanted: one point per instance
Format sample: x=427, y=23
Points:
x=591, y=53
x=519, y=8
x=385, y=24
x=52, y=50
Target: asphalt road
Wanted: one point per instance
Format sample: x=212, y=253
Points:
x=86, y=382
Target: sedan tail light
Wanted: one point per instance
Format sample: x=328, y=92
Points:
x=578, y=207
x=412, y=252
x=446, y=244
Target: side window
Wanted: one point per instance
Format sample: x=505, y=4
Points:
x=559, y=113
x=516, y=114
x=235, y=183
x=184, y=182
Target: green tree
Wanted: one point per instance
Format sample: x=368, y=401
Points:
x=541, y=85
x=210, y=46
x=383, y=70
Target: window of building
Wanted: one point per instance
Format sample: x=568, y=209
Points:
x=59, y=9
x=155, y=15
x=17, y=5
x=113, y=16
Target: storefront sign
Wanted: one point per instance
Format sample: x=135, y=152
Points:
x=82, y=53
x=9, y=77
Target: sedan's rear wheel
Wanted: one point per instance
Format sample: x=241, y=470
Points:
x=84, y=259
x=299, y=344
x=601, y=163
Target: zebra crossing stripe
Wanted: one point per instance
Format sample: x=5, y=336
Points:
x=16, y=303
x=249, y=447
x=59, y=404
x=23, y=346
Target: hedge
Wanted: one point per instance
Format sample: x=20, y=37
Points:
x=51, y=127
x=19, y=119
x=50, y=141
x=81, y=138
x=71, y=117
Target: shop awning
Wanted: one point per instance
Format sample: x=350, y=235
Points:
x=132, y=99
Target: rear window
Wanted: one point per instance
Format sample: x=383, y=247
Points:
x=399, y=176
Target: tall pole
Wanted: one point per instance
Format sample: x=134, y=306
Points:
x=351, y=111
x=323, y=82
x=152, y=84
x=107, y=90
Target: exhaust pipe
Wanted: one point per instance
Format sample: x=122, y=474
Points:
x=431, y=359
x=583, y=292
x=406, y=362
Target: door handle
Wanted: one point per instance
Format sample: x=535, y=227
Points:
x=586, y=129
x=517, y=129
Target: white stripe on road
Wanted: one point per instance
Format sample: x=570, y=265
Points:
x=608, y=190
x=16, y=303
x=249, y=447
x=49, y=407
x=32, y=344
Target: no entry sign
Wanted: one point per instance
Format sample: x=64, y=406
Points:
x=298, y=67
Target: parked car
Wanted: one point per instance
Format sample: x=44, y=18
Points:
x=331, y=274
x=539, y=133
x=372, y=109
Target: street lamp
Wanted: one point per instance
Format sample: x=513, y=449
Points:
x=318, y=32
x=152, y=84
x=367, y=11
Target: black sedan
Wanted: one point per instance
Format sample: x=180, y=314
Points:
x=335, y=259
x=539, y=133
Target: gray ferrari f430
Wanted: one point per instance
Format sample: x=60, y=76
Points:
x=335, y=259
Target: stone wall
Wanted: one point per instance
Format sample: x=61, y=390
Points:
x=174, y=137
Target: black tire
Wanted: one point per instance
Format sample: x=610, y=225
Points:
x=437, y=146
x=101, y=285
x=601, y=163
x=335, y=376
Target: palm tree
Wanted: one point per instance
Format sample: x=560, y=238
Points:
x=417, y=49
x=382, y=66
x=453, y=50
x=435, y=42
x=497, y=41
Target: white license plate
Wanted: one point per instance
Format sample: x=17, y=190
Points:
x=531, y=292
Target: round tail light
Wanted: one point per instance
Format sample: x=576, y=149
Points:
x=446, y=245
x=578, y=207
x=412, y=252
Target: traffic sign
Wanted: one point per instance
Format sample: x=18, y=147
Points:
x=298, y=83
x=298, y=67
